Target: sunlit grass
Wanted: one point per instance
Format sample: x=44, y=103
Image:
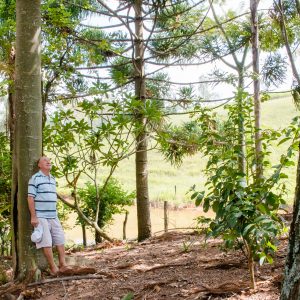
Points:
x=167, y=182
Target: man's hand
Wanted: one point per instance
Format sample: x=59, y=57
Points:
x=34, y=221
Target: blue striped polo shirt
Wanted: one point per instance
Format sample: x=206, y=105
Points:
x=43, y=189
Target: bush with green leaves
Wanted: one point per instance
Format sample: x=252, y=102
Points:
x=112, y=198
x=93, y=136
x=246, y=209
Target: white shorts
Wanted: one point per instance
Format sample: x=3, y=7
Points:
x=53, y=234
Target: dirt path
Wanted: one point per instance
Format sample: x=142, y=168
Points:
x=171, y=266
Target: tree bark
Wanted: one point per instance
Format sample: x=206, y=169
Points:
x=286, y=41
x=98, y=238
x=291, y=284
x=28, y=130
x=256, y=84
x=84, y=241
x=241, y=126
x=124, y=225
x=141, y=160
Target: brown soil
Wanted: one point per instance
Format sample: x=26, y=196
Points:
x=175, y=265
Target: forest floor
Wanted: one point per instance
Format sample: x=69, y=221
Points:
x=174, y=265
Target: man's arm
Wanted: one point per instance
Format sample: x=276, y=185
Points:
x=34, y=220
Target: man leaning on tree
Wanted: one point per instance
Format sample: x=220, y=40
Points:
x=48, y=231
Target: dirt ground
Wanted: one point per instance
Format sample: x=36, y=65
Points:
x=175, y=265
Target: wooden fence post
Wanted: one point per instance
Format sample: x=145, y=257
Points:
x=124, y=225
x=166, y=221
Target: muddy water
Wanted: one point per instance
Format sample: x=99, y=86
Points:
x=180, y=218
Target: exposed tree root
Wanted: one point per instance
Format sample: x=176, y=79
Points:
x=224, y=265
x=166, y=266
x=223, y=289
x=154, y=284
x=77, y=277
x=80, y=272
x=12, y=289
x=125, y=266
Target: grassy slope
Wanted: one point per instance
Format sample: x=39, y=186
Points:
x=164, y=178
x=276, y=113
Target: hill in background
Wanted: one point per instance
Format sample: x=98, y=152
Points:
x=167, y=182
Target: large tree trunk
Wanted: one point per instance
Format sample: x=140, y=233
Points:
x=28, y=130
x=98, y=238
x=291, y=285
x=256, y=83
x=143, y=207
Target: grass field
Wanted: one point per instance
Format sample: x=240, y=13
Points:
x=167, y=182
x=165, y=179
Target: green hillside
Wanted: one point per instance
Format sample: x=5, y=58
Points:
x=167, y=182
x=163, y=177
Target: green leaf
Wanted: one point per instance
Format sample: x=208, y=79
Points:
x=199, y=198
x=206, y=204
x=247, y=229
x=269, y=259
x=129, y=296
x=283, y=175
x=216, y=206
x=283, y=141
x=262, y=208
x=262, y=259
x=289, y=163
x=194, y=195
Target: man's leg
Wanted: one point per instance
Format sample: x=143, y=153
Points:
x=61, y=257
x=59, y=241
x=49, y=256
x=46, y=245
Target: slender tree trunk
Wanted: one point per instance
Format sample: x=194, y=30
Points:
x=256, y=84
x=143, y=207
x=281, y=20
x=291, y=284
x=242, y=138
x=84, y=241
x=251, y=265
x=286, y=41
x=28, y=133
